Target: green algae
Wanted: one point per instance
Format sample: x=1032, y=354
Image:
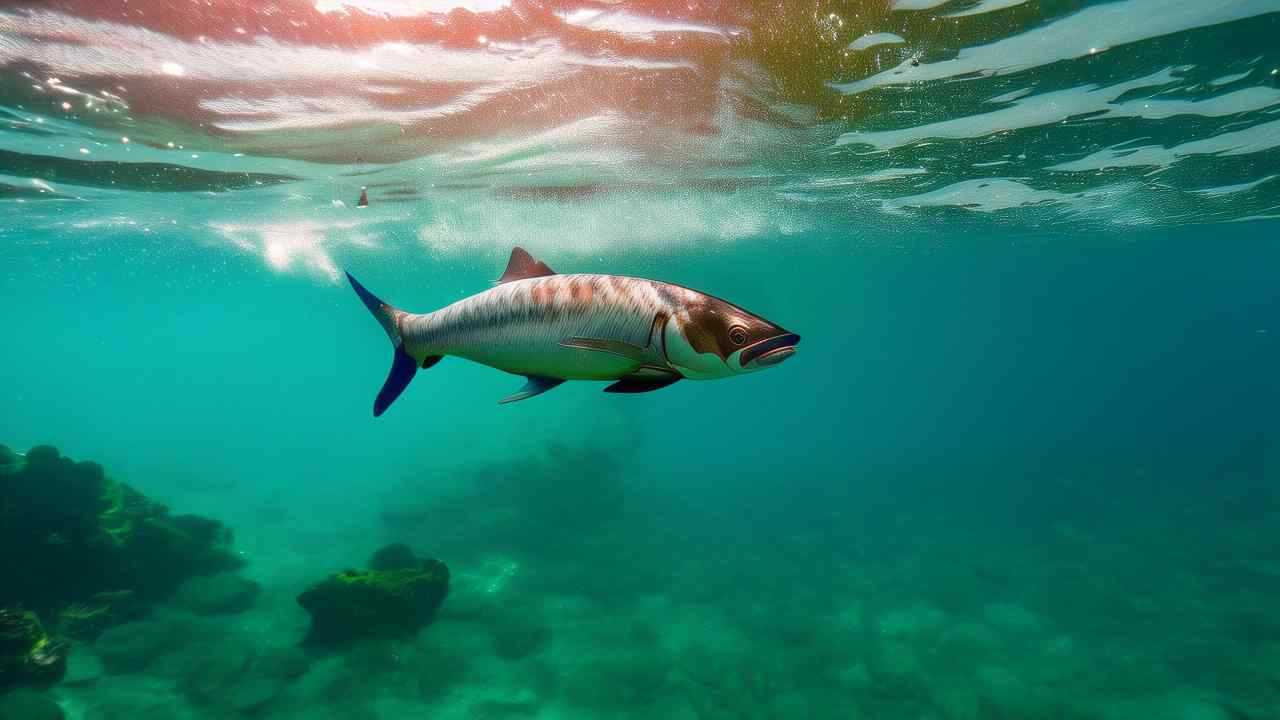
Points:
x=28, y=656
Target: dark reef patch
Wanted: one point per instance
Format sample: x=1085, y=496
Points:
x=86, y=553
x=91, y=535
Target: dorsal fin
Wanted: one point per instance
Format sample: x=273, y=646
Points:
x=522, y=266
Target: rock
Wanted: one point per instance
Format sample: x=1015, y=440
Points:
x=231, y=674
x=84, y=667
x=206, y=671
x=43, y=456
x=8, y=458
x=133, y=646
x=396, y=556
x=135, y=697
x=221, y=594
x=518, y=638
x=29, y=705
x=86, y=620
x=174, y=548
x=374, y=603
x=28, y=656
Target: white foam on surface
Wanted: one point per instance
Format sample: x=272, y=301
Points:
x=986, y=6
x=634, y=25
x=1228, y=79
x=1087, y=32
x=871, y=40
x=409, y=8
x=893, y=174
x=980, y=195
x=917, y=4
x=1116, y=204
x=1062, y=105
x=1233, y=189
x=1258, y=138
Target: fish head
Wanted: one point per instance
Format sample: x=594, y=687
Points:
x=711, y=338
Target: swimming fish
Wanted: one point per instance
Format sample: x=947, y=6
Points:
x=642, y=334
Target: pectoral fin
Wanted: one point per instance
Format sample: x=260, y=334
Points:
x=646, y=355
x=646, y=381
x=631, y=352
x=536, y=385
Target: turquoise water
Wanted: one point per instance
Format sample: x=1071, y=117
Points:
x=1023, y=465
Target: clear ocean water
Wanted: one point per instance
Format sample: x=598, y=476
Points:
x=1025, y=464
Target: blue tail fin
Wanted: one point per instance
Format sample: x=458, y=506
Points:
x=403, y=366
x=385, y=314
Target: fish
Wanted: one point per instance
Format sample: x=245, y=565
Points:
x=641, y=335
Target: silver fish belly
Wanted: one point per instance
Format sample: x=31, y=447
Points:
x=523, y=326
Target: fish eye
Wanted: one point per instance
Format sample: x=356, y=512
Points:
x=738, y=335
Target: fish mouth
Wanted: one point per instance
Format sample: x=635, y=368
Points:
x=768, y=353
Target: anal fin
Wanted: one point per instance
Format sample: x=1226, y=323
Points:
x=535, y=385
x=643, y=383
